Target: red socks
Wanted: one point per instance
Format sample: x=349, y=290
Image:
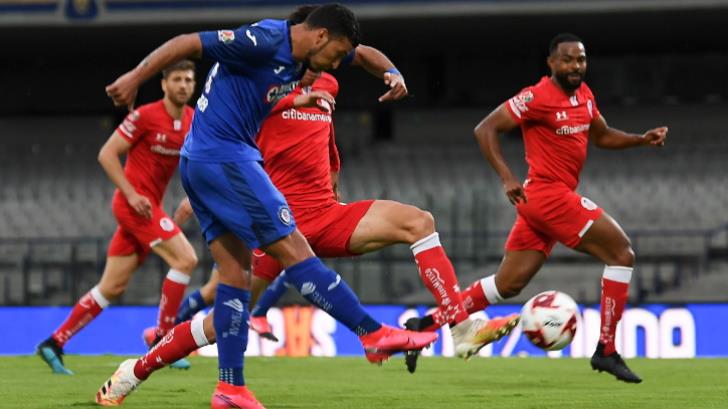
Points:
x=615, y=288
x=173, y=290
x=179, y=342
x=85, y=310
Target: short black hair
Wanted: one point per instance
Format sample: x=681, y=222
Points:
x=562, y=38
x=339, y=20
x=182, y=65
x=300, y=14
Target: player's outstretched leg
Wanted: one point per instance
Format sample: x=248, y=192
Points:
x=324, y=288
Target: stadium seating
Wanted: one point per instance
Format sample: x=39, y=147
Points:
x=668, y=200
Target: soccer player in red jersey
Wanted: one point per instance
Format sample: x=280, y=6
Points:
x=150, y=137
x=558, y=117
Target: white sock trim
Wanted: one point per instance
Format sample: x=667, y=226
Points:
x=178, y=277
x=618, y=273
x=429, y=242
x=490, y=290
x=198, y=331
x=99, y=298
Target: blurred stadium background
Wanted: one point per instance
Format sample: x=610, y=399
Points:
x=650, y=63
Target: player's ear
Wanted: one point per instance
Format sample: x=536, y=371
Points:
x=322, y=36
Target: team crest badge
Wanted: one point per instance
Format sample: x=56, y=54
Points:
x=526, y=96
x=285, y=215
x=226, y=36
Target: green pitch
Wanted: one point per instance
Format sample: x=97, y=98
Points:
x=349, y=383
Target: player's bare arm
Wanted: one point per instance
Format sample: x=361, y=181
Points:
x=377, y=64
x=123, y=91
x=109, y=158
x=603, y=136
x=183, y=212
x=318, y=99
x=487, y=132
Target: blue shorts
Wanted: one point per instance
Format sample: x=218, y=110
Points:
x=236, y=197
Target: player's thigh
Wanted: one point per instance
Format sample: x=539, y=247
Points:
x=117, y=273
x=232, y=257
x=388, y=222
x=177, y=252
x=606, y=241
x=517, y=269
x=290, y=250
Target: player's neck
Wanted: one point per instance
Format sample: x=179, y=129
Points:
x=172, y=109
x=558, y=85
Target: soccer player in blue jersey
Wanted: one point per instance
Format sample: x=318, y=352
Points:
x=234, y=200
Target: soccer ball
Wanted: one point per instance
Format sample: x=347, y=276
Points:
x=549, y=320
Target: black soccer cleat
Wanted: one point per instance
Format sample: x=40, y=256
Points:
x=614, y=364
x=410, y=357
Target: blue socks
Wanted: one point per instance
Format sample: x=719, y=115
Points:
x=270, y=296
x=231, y=329
x=325, y=289
x=190, y=306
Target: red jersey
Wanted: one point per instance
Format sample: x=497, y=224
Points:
x=299, y=149
x=555, y=129
x=156, y=140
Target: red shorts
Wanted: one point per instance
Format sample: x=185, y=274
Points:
x=553, y=213
x=327, y=229
x=136, y=234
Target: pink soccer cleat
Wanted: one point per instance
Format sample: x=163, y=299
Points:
x=262, y=327
x=381, y=344
x=231, y=396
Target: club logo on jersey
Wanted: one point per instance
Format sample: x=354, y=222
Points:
x=573, y=100
x=277, y=92
x=226, y=36
x=526, y=96
x=588, y=204
x=166, y=224
x=284, y=213
x=561, y=116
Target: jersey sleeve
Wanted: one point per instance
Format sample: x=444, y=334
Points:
x=244, y=47
x=334, y=159
x=591, y=104
x=523, y=106
x=133, y=127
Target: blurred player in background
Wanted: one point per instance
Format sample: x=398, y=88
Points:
x=151, y=138
x=301, y=158
x=233, y=198
x=558, y=116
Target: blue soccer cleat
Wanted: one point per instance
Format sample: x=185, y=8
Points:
x=52, y=354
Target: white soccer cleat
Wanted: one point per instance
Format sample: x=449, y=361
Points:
x=471, y=335
x=119, y=386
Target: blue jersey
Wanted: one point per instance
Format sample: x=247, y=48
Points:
x=254, y=69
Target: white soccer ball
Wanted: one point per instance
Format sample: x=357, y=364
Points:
x=549, y=320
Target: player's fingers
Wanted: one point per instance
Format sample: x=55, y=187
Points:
x=387, y=96
x=387, y=78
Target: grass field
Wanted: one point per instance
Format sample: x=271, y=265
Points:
x=349, y=383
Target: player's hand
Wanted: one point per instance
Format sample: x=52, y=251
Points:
x=123, y=91
x=140, y=204
x=514, y=191
x=656, y=136
x=319, y=99
x=397, y=87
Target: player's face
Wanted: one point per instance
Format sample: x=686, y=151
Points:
x=568, y=65
x=327, y=52
x=179, y=86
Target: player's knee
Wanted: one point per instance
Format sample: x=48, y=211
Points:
x=420, y=225
x=625, y=257
x=113, y=291
x=186, y=263
x=510, y=290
